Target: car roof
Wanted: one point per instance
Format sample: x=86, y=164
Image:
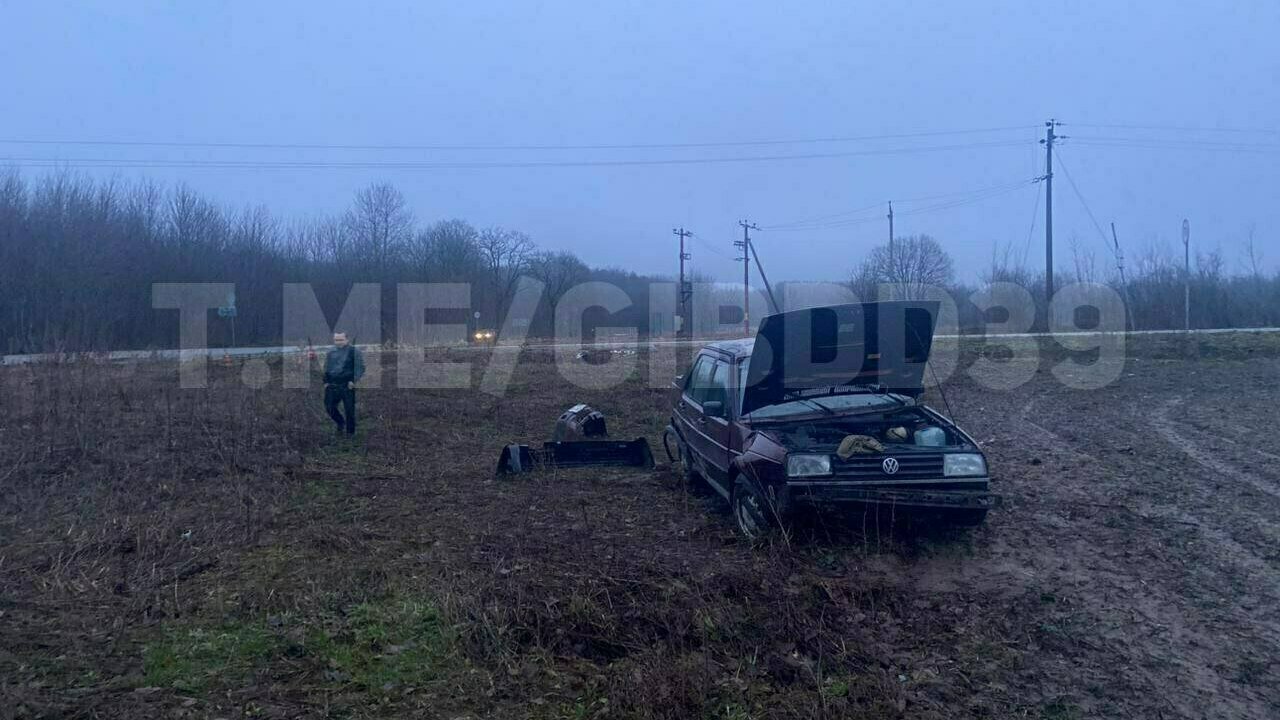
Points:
x=735, y=348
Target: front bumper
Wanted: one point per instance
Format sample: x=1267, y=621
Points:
x=955, y=494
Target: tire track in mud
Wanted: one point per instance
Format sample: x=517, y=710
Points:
x=1178, y=629
x=1201, y=432
x=1165, y=427
x=1052, y=438
x=1200, y=503
x=1244, y=557
x=1161, y=423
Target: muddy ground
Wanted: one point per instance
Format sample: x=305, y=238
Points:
x=218, y=553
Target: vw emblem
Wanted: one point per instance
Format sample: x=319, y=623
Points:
x=890, y=466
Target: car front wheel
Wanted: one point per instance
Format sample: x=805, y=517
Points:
x=752, y=514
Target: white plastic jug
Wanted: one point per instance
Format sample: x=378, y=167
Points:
x=932, y=436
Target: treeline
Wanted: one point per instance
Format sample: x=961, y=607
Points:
x=1156, y=283
x=78, y=259
x=1151, y=292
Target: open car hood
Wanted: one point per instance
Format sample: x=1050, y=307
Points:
x=883, y=345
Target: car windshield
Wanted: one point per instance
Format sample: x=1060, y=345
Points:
x=854, y=400
x=838, y=404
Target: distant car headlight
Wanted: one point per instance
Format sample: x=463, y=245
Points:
x=964, y=465
x=808, y=465
x=479, y=336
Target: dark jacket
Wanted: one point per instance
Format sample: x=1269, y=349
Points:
x=343, y=365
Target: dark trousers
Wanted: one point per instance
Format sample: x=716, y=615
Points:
x=334, y=394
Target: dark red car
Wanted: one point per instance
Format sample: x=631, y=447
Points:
x=821, y=409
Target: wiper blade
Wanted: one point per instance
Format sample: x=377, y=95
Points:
x=825, y=410
x=875, y=411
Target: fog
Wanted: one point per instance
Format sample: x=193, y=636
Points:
x=1171, y=112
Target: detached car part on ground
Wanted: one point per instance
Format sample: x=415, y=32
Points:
x=579, y=439
x=821, y=410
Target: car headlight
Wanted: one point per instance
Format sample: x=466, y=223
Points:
x=964, y=465
x=479, y=336
x=808, y=465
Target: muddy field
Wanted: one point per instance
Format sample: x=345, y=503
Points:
x=218, y=553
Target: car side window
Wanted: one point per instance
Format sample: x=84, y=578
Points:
x=718, y=388
x=699, y=380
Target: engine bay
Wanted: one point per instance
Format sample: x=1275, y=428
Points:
x=904, y=430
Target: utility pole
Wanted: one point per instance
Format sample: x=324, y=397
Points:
x=686, y=289
x=1186, y=275
x=891, y=232
x=1049, y=138
x=745, y=244
x=1124, y=284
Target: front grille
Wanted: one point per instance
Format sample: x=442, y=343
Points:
x=911, y=466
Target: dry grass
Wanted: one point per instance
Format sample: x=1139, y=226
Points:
x=218, y=553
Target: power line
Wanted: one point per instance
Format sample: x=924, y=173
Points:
x=826, y=226
x=918, y=211
x=1035, y=213
x=1181, y=128
x=605, y=146
x=115, y=163
x=707, y=246
x=832, y=220
x=966, y=201
x=1097, y=226
x=1175, y=144
x=845, y=213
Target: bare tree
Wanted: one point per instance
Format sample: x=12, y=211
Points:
x=1086, y=261
x=446, y=252
x=1008, y=266
x=505, y=256
x=1253, y=256
x=194, y=222
x=380, y=225
x=915, y=264
x=1210, y=266
x=558, y=271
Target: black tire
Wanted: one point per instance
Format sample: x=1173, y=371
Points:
x=752, y=514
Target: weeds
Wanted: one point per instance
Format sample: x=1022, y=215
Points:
x=389, y=645
x=190, y=659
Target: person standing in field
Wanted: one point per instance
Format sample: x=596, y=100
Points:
x=343, y=368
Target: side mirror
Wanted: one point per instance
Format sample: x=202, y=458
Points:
x=713, y=408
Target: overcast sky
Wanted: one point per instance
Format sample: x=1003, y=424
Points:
x=664, y=73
